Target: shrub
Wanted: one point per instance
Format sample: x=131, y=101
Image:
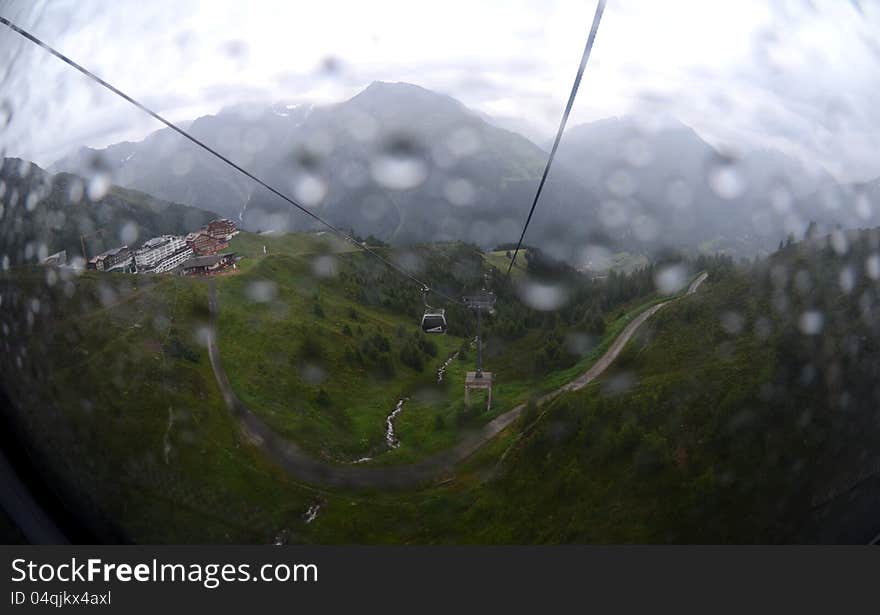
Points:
x=411, y=357
x=323, y=398
x=311, y=348
x=531, y=412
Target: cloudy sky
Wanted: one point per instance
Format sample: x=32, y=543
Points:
x=799, y=76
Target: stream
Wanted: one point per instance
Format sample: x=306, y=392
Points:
x=391, y=438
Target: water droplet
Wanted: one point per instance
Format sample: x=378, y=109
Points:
x=309, y=189
x=460, y=192
x=781, y=198
x=374, y=207
x=312, y=373
x=839, y=242
x=128, y=234
x=679, y=193
x=638, y=153
x=400, y=165
x=543, y=296
x=847, y=279
x=99, y=185
x=802, y=282
x=763, y=328
x=811, y=322
x=621, y=184
x=362, y=126
x=76, y=191
x=579, y=344
x=235, y=48
x=463, y=142
x=30, y=203
x=725, y=179
x=872, y=266
x=330, y=65
x=261, y=291
x=670, y=279
x=732, y=322
x=595, y=258
x=645, y=227
x=324, y=266
x=106, y=295
x=612, y=214
x=354, y=175
x=306, y=158
x=864, y=210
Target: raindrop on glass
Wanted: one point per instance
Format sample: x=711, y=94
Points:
x=99, y=185
x=670, y=279
x=811, y=322
x=460, y=192
x=128, y=234
x=400, y=165
x=261, y=291
x=310, y=189
x=543, y=296
x=725, y=180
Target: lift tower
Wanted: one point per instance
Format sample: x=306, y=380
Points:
x=482, y=302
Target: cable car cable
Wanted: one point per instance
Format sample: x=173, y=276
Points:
x=33, y=39
x=600, y=8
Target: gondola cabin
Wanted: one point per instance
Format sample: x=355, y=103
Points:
x=434, y=321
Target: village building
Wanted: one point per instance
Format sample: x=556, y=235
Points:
x=222, y=228
x=161, y=254
x=206, y=265
x=117, y=259
x=203, y=244
x=59, y=259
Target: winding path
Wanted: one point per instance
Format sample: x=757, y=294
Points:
x=302, y=466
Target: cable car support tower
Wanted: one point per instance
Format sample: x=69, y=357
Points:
x=482, y=302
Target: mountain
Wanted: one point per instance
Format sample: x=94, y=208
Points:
x=397, y=161
x=409, y=165
x=664, y=184
x=168, y=166
x=841, y=205
x=44, y=213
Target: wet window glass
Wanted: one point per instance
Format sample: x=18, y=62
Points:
x=296, y=273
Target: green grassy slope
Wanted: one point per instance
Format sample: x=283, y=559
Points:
x=117, y=395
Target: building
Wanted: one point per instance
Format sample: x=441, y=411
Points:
x=117, y=259
x=222, y=228
x=203, y=244
x=59, y=259
x=161, y=254
x=206, y=265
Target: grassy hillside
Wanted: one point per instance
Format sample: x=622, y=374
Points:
x=118, y=400
x=732, y=418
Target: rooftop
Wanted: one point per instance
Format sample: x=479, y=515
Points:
x=201, y=261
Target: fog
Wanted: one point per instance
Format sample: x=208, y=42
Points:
x=795, y=76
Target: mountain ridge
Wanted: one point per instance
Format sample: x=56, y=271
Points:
x=410, y=165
